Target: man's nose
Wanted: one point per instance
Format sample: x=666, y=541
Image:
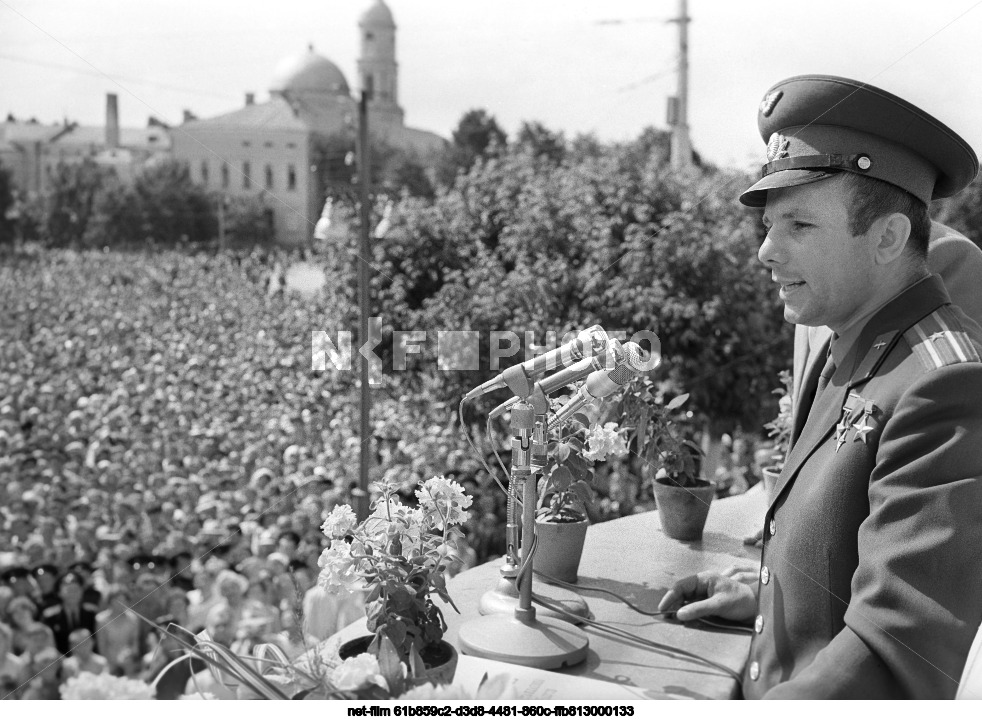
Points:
x=769, y=253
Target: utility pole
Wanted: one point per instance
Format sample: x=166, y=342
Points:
x=678, y=107
x=364, y=306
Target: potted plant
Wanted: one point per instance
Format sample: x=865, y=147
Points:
x=564, y=490
x=670, y=460
x=779, y=429
x=397, y=557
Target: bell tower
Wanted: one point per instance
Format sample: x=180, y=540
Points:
x=377, y=67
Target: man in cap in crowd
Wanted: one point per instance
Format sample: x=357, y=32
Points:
x=871, y=570
x=71, y=614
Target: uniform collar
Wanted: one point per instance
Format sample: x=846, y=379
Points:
x=848, y=348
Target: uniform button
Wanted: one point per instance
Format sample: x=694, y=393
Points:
x=758, y=624
x=754, y=671
x=772, y=527
x=765, y=575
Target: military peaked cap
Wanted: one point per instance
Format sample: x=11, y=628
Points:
x=818, y=125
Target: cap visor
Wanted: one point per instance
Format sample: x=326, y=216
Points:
x=756, y=195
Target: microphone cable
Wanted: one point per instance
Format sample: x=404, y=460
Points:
x=671, y=651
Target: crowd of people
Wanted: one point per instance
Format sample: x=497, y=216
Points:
x=167, y=455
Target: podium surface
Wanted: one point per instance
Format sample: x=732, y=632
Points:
x=633, y=558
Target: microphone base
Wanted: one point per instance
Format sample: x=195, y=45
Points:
x=504, y=599
x=540, y=643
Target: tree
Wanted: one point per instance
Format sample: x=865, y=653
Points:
x=163, y=206
x=8, y=230
x=535, y=138
x=523, y=245
x=394, y=170
x=477, y=135
x=70, y=202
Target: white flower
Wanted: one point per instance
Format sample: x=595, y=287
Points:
x=390, y=509
x=339, y=522
x=88, y=685
x=338, y=568
x=785, y=405
x=356, y=672
x=443, y=500
x=428, y=691
x=603, y=442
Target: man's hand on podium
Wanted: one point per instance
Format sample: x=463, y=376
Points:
x=710, y=594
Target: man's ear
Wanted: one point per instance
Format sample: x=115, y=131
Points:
x=892, y=235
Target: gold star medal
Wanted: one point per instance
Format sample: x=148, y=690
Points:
x=862, y=427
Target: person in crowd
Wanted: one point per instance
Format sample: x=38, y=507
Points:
x=118, y=634
x=83, y=656
x=22, y=614
x=221, y=629
x=879, y=501
x=46, y=676
x=71, y=613
x=13, y=668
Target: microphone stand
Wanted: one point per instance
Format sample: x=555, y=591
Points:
x=521, y=638
x=505, y=597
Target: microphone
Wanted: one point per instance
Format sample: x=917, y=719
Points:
x=613, y=355
x=602, y=383
x=589, y=342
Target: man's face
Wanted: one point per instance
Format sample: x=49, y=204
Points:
x=71, y=593
x=824, y=271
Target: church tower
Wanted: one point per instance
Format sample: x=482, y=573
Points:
x=377, y=65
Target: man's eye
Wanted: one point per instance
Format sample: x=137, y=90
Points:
x=799, y=225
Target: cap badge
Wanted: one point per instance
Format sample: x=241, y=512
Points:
x=769, y=101
x=777, y=147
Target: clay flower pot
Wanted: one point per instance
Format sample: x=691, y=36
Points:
x=559, y=548
x=770, y=476
x=440, y=660
x=683, y=509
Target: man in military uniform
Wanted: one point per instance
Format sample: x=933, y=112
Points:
x=870, y=583
x=71, y=614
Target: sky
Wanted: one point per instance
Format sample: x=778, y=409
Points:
x=577, y=66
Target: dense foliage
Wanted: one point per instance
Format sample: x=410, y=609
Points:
x=528, y=244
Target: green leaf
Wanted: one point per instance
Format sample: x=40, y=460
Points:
x=561, y=478
x=677, y=402
x=562, y=452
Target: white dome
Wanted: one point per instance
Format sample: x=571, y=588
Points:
x=309, y=73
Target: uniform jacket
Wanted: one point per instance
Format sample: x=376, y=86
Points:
x=871, y=567
x=57, y=620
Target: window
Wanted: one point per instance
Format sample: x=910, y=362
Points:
x=204, y=172
x=291, y=146
x=246, y=144
x=246, y=175
x=224, y=175
x=291, y=177
x=268, y=144
x=269, y=177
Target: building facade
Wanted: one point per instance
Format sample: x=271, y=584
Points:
x=268, y=149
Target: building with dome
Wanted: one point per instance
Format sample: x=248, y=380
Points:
x=268, y=148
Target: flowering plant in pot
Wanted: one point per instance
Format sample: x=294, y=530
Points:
x=564, y=490
x=779, y=430
x=397, y=557
x=670, y=459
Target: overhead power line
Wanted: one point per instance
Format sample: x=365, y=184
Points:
x=119, y=78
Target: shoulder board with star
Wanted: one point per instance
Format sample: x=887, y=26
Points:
x=939, y=340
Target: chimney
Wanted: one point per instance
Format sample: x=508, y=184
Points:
x=112, y=121
x=250, y=98
x=189, y=116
